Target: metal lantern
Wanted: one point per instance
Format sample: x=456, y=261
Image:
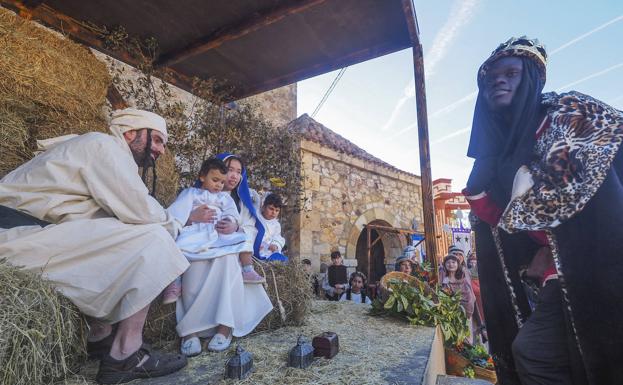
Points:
x=302, y=355
x=240, y=365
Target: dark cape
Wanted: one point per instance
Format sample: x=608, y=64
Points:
x=577, y=198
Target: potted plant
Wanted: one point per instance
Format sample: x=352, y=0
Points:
x=415, y=302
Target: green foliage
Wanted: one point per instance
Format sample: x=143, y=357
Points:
x=435, y=308
x=476, y=354
x=204, y=125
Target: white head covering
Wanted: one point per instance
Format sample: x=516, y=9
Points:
x=132, y=119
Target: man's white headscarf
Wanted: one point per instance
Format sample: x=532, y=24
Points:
x=122, y=121
x=132, y=119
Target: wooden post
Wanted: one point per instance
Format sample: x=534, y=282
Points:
x=423, y=141
x=425, y=168
x=369, y=249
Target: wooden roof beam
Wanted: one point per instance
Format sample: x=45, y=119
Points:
x=82, y=34
x=234, y=32
x=320, y=68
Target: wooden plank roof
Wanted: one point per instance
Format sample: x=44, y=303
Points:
x=254, y=45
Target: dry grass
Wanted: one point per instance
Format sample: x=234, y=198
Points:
x=167, y=179
x=292, y=289
x=160, y=327
x=294, y=293
x=42, y=337
x=372, y=351
x=49, y=86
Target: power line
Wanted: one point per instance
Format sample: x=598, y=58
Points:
x=329, y=90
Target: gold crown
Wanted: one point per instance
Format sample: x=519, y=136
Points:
x=518, y=46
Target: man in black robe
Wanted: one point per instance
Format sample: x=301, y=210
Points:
x=546, y=193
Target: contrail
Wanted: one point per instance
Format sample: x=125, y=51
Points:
x=452, y=106
x=471, y=96
x=461, y=13
x=452, y=135
x=587, y=34
x=596, y=74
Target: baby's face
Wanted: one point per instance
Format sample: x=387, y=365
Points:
x=213, y=181
x=270, y=212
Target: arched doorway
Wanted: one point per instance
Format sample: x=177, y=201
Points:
x=376, y=269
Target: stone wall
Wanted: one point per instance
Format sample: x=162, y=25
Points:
x=343, y=193
x=278, y=106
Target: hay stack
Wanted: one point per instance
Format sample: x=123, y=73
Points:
x=168, y=179
x=293, y=288
x=295, y=294
x=42, y=336
x=49, y=86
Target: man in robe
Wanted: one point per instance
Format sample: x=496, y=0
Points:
x=546, y=189
x=79, y=214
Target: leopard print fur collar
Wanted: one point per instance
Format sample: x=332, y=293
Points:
x=571, y=160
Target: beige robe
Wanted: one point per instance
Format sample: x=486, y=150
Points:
x=110, y=249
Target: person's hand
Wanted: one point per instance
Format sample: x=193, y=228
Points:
x=201, y=214
x=273, y=248
x=226, y=226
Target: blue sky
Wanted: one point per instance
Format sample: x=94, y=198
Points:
x=373, y=103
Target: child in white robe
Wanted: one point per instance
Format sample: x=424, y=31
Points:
x=272, y=242
x=201, y=241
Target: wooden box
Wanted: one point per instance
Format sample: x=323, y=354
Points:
x=326, y=345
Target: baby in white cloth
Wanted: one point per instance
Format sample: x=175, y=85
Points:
x=201, y=241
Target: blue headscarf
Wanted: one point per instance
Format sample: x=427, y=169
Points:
x=245, y=198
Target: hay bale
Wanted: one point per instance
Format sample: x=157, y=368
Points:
x=293, y=289
x=42, y=337
x=168, y=179
x=159, y=327
x=49, y=86
x=37, y=64
x=295, y=294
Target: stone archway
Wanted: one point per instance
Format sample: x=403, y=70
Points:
x=387, y=249
x=376, y=268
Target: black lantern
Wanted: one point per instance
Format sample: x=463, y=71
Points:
x=240, y=365
x=302, y=355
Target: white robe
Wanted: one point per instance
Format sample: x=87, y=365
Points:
x=272, y=236
x=199, y=241
x=214, y=294
x=110, y=249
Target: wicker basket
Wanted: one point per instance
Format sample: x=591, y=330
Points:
x=411, y=280
x=486, y=374
x=456, y=363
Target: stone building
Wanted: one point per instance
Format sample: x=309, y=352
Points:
x=345, y=189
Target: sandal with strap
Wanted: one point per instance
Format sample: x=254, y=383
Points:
x=158, y=364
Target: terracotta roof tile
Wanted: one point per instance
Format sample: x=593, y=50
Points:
x=318, y=133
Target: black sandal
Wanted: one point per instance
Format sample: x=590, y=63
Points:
x=158, y=364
